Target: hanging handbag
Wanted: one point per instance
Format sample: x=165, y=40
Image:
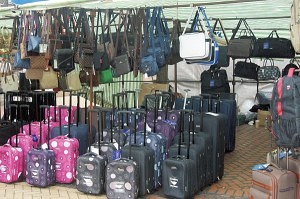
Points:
x=9, y=80
x=149, y=64
x=246, y=69
x=85, y=75
x=34, y=37
x=100, y=57
x=84, y=50
x=268, y=72
x=34, y=73
x=73, y=80
x=49, y=79
x=213, y=51
x=28, y=84
x=274, y=47
x=121, y=64
x=214, y=80
x=222, y=40
x=174, y=57
x=243, y=46
x=106, y=76
x=63, y=60
x=193, y=45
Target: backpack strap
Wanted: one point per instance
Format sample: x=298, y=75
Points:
x=291, y=72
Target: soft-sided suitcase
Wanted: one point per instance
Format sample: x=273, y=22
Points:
x=122, y=179
x=197, y=152
x=66, y=150
x=76, y=130
x=227, y=107
x=90, y=169
x=41, y=166
x=179, y=179
x=273, y=183
x=110, y=149
x=143, y=155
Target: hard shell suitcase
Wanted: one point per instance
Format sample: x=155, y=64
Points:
x=277, y=183
x=90, y=170
x=143, y=155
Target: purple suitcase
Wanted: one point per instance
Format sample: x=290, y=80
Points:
x=41, y=165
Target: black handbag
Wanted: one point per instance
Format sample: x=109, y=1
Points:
x=243, y=46
x=174, y=57
x=214, y=80
x=63, y=60
x=246, y=69
x=28, y=84
x=274, y=47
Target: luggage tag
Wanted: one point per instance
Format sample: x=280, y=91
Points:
x=212, y=83
x=266, y=45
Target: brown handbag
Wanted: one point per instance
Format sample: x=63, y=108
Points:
x=38, y=62
x=49, y=79
x=33, y=73
x=85, y=76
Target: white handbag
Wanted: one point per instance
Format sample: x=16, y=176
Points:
x=9, y=81
x=195, y=45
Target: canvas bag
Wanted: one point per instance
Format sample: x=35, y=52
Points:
x=148, y=62
x=9, y=80
x=243, y=45
x=268, y=72
x=49, y=79
x=174, y=56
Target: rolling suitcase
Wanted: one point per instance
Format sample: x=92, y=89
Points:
x=41, y=165
x=66, y=150
x=76, y=130
x=179, y=179
x=143, y=155
x=273, y=183
x=90, y=169
x=110, y=149
x=227, y=106
x=197, y=152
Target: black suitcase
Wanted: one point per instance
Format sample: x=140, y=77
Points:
x=226, y=106
x=197, y=151
x=201, y=138
x=90, y=169
x=143, y=155
x=179, y=179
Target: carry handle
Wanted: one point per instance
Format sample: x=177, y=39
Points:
x=60, y=124
x=11, y=120
x=291, y=72
x=104, y=111
x=182, y=114
x=22, y=106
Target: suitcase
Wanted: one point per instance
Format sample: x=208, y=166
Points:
x=66, y=150
x=277, y=183
x=122, y=179
x=90, y=170
x=200, y=138
x=197, y=152
x=76, y=130
x=143, y=155
x=227, y=107
x=179, y=179
x=41, y=165
x=110, y=149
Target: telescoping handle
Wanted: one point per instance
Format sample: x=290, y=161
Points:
x=60, y=108
x=101, y=97
x=91, y=111
x=182, y=115
x=44, y=108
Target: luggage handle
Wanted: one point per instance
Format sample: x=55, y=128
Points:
x=134, y=97
x=98, y=128
x=110, y=111
x=46, y=108
x=11, y=121
x=28, y=117
x=181, y=127
x=78, y=106
x=60, y=124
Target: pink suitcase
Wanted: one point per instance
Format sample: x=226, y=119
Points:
x=279, y=183
x=54, y=116
x=24, y=142
x=35, y=131
x=66, y=152
x=11, y=163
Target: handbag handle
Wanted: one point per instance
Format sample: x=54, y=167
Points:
x=242, y=20
x=271, y=35
x=188, y=21
x=268, y=59
x=222, y=28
